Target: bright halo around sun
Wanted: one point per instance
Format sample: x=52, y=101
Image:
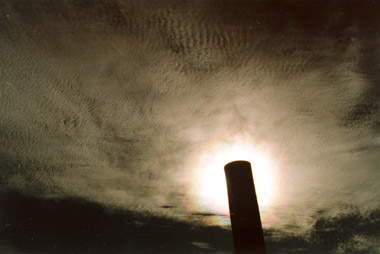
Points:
x=209, y=182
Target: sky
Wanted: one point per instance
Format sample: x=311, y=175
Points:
x=118, y=116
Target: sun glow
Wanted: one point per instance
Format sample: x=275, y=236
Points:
x=209, y=183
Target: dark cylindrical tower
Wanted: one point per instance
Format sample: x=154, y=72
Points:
x=244, y=210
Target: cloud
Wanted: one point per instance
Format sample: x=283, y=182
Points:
x=106, y=101
x=73, y=224
x=351, y=232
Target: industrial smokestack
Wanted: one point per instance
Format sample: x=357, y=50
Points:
x=244, y=210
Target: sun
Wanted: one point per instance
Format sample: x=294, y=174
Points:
x=209, y=183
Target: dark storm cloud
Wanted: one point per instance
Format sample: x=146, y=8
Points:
x=104, y=100
x=352, y=232
x=76, y=226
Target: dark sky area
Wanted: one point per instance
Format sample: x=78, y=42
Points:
x=112, y=113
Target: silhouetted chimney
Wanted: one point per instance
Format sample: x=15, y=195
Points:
x=244, y=210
